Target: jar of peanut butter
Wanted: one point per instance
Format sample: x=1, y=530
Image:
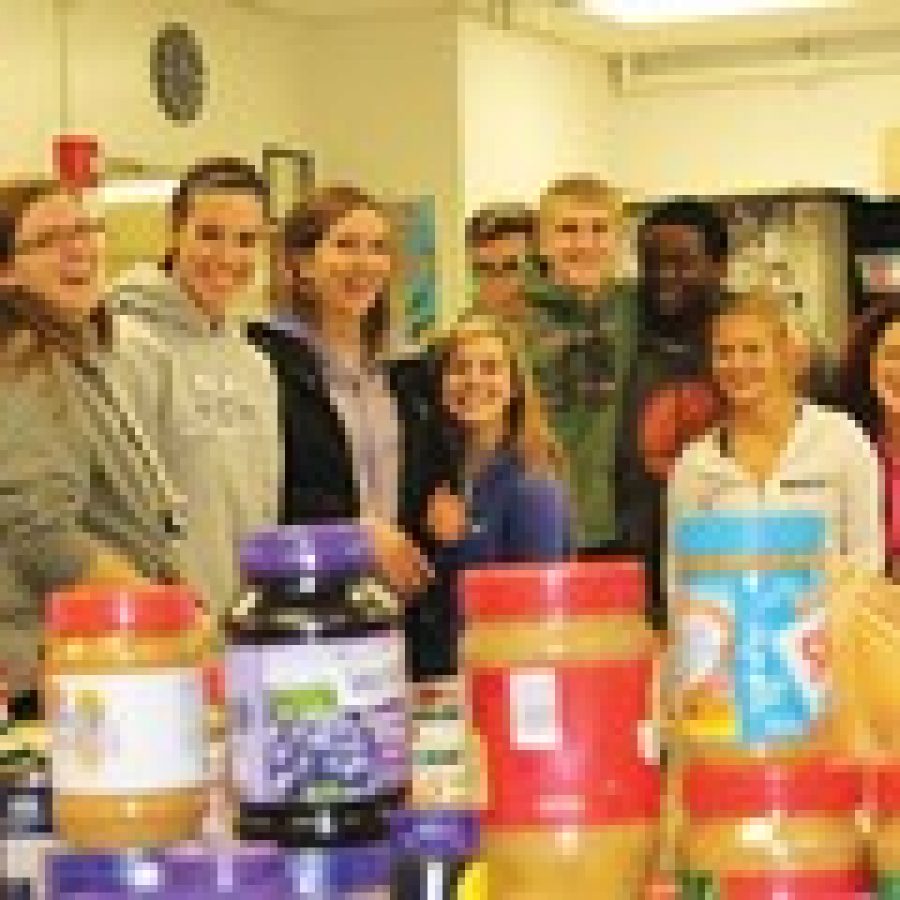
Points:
x=559, y=661
x=125, y=702
x=758, y=830
x=749, y=676
x=887, y=831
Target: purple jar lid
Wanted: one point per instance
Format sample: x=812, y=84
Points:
x=438, y=832
x=188, y=874
x=358, y=868
x=296, y=551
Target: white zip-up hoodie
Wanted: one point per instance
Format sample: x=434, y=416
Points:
x=828, y=467
x=208, y=403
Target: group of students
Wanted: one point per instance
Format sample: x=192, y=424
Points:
x=716, y=401
x=144, y=430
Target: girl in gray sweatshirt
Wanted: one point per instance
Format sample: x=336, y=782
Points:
x=206, y=400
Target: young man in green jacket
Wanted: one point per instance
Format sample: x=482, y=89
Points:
x=588, y=335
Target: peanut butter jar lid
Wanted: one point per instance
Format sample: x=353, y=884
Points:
x=527, y=591
x=137, y=608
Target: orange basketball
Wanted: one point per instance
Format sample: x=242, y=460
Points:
x=673, y=416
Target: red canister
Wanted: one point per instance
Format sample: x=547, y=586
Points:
x=786, y=830
x=560, y=664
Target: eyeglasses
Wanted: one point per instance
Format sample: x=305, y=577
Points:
x=509, y=265
x=53, y=239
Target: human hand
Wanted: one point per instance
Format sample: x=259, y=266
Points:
x=446, y=518
x=400, y=560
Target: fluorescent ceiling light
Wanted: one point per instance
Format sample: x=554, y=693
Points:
x=141, y=190
x=672, y=10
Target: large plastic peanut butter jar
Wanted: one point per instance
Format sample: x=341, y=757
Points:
x=759, y=831
x=887, y=831
x=749, y=677
x=559, y=663
x=126, y=707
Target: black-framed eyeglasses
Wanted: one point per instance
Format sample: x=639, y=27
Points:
x=509, y=265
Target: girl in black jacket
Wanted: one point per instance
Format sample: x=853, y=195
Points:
x=362, y=438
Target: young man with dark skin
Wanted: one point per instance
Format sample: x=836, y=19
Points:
x=683, y=249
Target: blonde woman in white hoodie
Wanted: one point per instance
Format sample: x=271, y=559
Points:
x=778, y=478
x=774, y=450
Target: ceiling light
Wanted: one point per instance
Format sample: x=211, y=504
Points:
x=634, y=11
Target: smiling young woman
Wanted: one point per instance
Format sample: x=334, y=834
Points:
x=358, y=427
x=205, y=398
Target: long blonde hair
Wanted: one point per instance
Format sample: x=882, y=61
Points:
x=528, y=431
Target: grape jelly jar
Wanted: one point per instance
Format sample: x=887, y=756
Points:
x=316, y=690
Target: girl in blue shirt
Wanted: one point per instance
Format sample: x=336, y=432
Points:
x=510, y=503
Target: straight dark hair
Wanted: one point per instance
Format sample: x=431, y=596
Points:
x=303, y=229
x=858, y=394
x=228, y=175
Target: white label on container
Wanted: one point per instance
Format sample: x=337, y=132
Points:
x=360, y=673
x=128, y=733
x=533, y=708
x=434, y=880
x=649, y=741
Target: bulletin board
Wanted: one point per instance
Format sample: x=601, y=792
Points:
x=415, y=293
x=795, y=243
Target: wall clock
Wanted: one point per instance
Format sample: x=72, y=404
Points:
x=179, y=73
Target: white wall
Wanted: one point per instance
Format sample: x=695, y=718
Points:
x=531, y=109
x=773, y=135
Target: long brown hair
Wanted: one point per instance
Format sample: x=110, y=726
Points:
x=303, y=229
x=528, y=432
x=858, y=391
x=24, y=313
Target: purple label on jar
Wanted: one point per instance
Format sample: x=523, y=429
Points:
x=319, y=723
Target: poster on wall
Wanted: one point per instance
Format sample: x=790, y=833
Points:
x=415, y=304
x=795, y=244
x=290, y=175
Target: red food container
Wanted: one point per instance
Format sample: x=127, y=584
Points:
x=560, y=667
x=760, y=830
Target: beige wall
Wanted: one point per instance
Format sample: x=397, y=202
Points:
x=532, y=109
x=382, y=110
x=774, y=135
x=29, y=78
x=254, y=95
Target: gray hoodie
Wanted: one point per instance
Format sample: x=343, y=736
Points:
x=208, y=404
x=44, y=492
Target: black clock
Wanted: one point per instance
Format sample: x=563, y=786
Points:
x=179, y=73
